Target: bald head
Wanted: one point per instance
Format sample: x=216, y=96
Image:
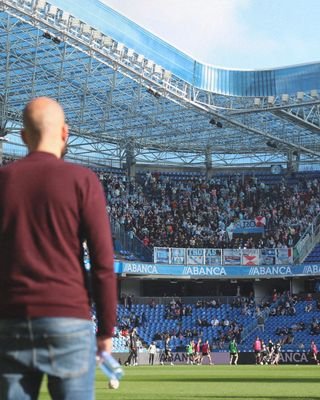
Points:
x=44, y=126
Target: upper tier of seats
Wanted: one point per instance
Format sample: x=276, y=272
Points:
x=165, y=212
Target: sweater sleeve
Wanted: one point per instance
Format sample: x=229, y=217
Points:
x=98, y=235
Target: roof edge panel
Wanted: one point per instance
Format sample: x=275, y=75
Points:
x=232, y=82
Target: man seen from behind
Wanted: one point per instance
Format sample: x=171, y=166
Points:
x=48, y=207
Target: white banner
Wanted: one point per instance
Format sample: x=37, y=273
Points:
x=195, y=256
x=218, y=257
x=178, y=256
x=213, y=257
x=284, y=256
x=231, y=256
x=250, y=257
x=161, y=255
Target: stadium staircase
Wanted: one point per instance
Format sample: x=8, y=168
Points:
x=308, y=243
x=314, y=256
x=259, y=322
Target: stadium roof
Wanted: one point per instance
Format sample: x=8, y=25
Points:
x=127, y=92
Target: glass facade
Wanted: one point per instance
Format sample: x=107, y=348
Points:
x=269, y=82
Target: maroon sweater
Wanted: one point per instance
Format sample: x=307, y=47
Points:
x=47, y=208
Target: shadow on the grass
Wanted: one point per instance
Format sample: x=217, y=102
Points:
x=259, y=397
x=228, y=397
x=230, y=379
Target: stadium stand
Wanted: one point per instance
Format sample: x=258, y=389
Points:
x=314, y=256
x=194, y=212
x=221, y=323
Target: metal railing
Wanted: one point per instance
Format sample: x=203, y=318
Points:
x=254, y=325
x=130, y=242
x=165, y=300
x=307, y=241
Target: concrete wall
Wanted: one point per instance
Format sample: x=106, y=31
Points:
x=297, y=286
x=131, y=287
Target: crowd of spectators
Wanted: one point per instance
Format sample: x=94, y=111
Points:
x=245, y=304
x=166, y=212
x=199, y=213
x=226, y=326
x=179, y=334
x=287, y=307
x=286, y=334
x=214, y=303
x=176, y=309
x=315, y=326
x=7, y=160
x=226, y=329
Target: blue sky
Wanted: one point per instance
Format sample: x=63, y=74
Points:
x=248, y=34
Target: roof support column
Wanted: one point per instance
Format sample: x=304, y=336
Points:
x=208, y=162
x=293, y=161
x=130, y=160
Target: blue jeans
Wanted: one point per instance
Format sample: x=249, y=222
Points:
x=61, y=348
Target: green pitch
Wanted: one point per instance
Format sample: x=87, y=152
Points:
x=186, y=382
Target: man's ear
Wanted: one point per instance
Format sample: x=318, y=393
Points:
x=65, y=133
x=24, y=137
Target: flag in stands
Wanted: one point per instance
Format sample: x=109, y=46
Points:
x=260, y=220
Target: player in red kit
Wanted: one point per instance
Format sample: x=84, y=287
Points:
x=314, y=352
x=206, y=352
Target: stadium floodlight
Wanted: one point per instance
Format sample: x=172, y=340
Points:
x=41, y=4
x=271, y=144
x=56, y=40
x=140, y=58
x=120, y=48
x=52, y=13
x=130, y=53
x=271, y=100
x=28, y=3
x=65, y=18
x=257, y=101
x=214, y=122
x=96, y=35
x=285, y=98
x=42, y=8
x=46, y=35
x=158, y=69
x=314, y=93
x=300, y=96
x=150, y=64
x=107, y=41
x=76, y=25
x=86, y=29
x=154, y=93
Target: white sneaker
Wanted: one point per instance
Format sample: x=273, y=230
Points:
x=171, y=363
